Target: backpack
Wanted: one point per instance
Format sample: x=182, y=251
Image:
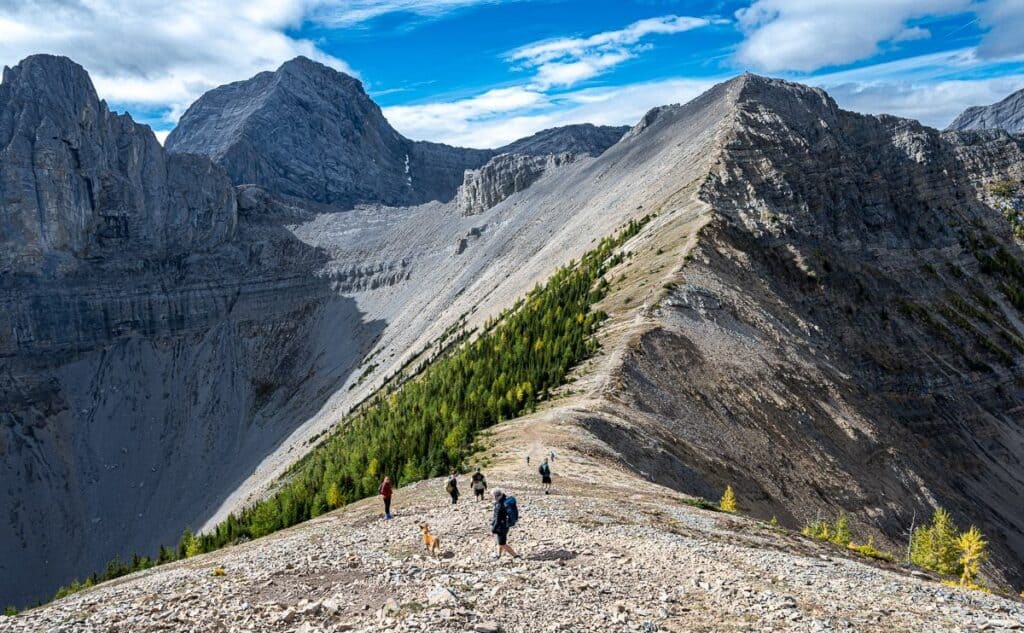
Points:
x=450, y=486
x=544, y=470
x=511, y=511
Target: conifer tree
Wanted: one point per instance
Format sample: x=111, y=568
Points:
x=935, y=546
x=973, y=552
x=728, y=501
x=333, y=496
x=841, y=530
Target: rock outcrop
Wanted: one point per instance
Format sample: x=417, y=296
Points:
x=309, y=131
x=1006, y=115
x=503, y=176
x=79, y=182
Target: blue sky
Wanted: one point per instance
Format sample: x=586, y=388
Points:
x=483, y=72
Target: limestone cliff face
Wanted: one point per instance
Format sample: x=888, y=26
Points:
x=503, y=176
x=521, y=163
x=152, y=346
x=1007, y=115
x=81, y=182
x=309, y=131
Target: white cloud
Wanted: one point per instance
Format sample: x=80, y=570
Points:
x=931, y=88
x=805, y=35
x=517, y=112
x=155, y=54
x=354, y=12
x=569, y=60
x=1005, y=21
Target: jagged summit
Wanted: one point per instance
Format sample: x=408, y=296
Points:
x=1007, y=115
x=57, y=83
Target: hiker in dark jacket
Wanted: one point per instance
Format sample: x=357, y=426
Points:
x=479, y=485
x=500, y=525
x=385, y=494
x=453, y=488
x=545, y=476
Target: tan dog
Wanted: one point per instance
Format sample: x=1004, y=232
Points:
x=430, y=542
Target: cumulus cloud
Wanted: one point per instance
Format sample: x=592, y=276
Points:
x=1004, y=20
x=931, y=88
x=569, y=60
x=153, y=53
x=505, y=115
x=806, y=35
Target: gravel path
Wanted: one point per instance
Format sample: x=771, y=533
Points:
x=604, y=552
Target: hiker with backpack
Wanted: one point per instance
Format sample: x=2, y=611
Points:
x=545, y=476
x=385, y=494
x=479, y=485
x=453, y=488
x=506, y=515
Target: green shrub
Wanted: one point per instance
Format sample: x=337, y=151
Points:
x=868, y=550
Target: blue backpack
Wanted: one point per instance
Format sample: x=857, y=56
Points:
x=511, y=511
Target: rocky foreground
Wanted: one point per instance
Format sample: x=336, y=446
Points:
x=606, y=551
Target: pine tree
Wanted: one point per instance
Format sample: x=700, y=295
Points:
x=841, y=530
x=333, y=496
x=728, y=501
x=934, y=546
x=973, y=552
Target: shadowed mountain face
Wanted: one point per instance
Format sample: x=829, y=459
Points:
x=845, y=335
x=153, y=347
x=827, y=317
x=1006, y=115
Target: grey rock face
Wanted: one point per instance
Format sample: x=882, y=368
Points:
x=521, y=163
x=1007, y=114
x=77, y=181
x=503, y=176
x=309, y=131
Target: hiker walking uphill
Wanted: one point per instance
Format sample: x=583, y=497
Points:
x=453, y=488
x=545, y=476
x=479, y=485
x=506, y=515
x=385, y=494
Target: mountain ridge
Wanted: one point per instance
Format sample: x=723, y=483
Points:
x=777, y=215
x=1006, y=114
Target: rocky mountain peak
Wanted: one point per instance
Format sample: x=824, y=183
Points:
x=55, y=82
x=309, y=131
x=83, y=182
x=1007, y=114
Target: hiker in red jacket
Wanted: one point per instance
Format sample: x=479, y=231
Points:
x=385, y=494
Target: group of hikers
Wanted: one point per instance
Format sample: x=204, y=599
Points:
x=505, y=512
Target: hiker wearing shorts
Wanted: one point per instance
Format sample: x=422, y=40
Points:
x=501, y=523
x=545, y=476
x=479, y=485
x=385, y=494
x=453, y=488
